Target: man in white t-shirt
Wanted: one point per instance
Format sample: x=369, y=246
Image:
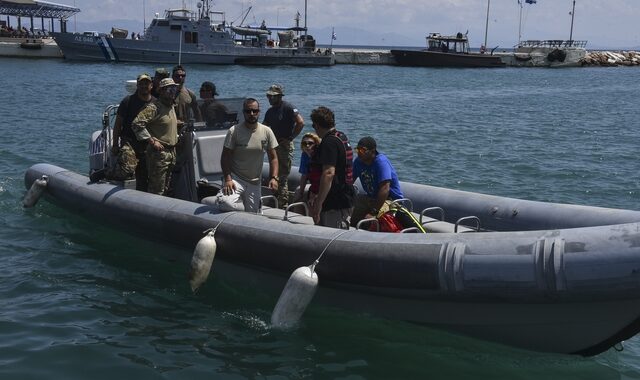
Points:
x=241, y=161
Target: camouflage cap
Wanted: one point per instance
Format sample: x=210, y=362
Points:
x=161, y=73
x=276, y=89
x=143, y=77
x=167, y=82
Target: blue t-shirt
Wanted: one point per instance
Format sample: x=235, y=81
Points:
x=372, y=175
x=304, y=164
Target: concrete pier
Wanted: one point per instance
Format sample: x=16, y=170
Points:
x=363, y=56
x=31, y=48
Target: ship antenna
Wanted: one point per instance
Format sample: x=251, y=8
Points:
x=180, y=48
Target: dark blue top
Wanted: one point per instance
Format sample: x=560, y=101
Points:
x=281, y=120
x=371, y=176
x=304, y=163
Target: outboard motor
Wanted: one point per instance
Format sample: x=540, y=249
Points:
x=100, y=146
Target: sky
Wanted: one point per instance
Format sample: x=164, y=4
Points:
x=603, y=23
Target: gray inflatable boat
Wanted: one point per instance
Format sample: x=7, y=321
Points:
x=540, y=276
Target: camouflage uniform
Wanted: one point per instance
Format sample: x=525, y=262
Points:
x=159, y=165
x=158, y=121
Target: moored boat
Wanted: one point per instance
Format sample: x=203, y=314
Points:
x=445, y=51
x=547, y=277
x=204, y=37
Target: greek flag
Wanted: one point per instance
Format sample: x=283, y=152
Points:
x=333, y=36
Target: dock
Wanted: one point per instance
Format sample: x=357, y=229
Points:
x=537, y=56
x=363, y=57
x=29, y=48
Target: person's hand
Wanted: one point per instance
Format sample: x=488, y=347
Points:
x=273, y=184
x=155, y=144
x=229, y=187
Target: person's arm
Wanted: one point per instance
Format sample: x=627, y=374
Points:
x=328, y=172
x=273, y=169
x=117, y=131
x=300, y=190
x=140, y=123
x=228, y=187
x=298, y=126
x=383, y=195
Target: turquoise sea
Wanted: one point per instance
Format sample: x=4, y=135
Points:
x=81, y=301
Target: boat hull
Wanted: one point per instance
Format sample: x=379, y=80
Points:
x=424, y=58
x=102, y=48
x=570, y=290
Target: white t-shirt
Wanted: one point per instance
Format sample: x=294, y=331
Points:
x=249, y=146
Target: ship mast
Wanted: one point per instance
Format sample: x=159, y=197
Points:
x=486, y=27
x=573, y=12
x=520, y=23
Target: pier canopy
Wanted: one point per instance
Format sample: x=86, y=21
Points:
x=36, y=8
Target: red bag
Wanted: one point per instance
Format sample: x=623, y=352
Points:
x=388, y=223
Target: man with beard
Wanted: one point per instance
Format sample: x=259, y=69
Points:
x=186, y=101
x=157, y=126
x=129, y=150
x=241, y=161
x=285, y=121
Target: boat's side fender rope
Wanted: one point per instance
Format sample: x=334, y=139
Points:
x=313, y=266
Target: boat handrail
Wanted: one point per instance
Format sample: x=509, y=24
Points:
x=369, y=220
x=292, y=205
x=401, y=202
x=465, y=219
x=424, y=212
x=270, y=197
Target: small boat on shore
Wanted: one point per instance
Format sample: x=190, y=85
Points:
x=33, y=44
x=182, y=36
x=535, y=275
x=445, y=51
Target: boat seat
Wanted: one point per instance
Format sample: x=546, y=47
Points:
x=207, y=148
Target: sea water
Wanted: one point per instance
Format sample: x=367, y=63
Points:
x=80, y=300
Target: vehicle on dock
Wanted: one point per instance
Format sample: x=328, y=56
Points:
x=182, y=36
x=445, y=51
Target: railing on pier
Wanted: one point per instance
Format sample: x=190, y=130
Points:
x=553, y=43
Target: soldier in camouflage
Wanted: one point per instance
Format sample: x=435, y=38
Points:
x=157, y=125
x=129, y=151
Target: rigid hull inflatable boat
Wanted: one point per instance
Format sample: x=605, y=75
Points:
x=540, y=276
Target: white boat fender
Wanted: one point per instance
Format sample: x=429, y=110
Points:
x=297, y=294
x=35, y=191
x=202, y=258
